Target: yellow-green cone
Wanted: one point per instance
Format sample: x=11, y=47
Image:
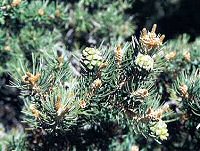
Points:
x=160, y=130
x=91, y=58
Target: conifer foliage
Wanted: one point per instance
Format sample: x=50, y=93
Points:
x=116, y=87
x=106, y=96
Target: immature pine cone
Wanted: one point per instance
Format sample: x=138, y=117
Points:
x=160, y=130
x=91, y=58
x=144, y=61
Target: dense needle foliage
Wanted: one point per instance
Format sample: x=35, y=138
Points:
x=74, y=77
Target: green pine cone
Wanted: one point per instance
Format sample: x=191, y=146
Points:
x=144, y=61
x=91, y=58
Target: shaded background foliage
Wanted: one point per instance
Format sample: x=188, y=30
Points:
x=174, y=17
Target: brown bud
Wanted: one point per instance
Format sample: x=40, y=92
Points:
x=141, y=93
x=29, y=78
x=187, y=56
x=119, y=55
x=16, y=3
x=62, y=111
x=149, y=111
x=185, y=117
x=60, y=60
x=83, y=104
x=58, y=104
x=34, y=111
x=171, y=55
x=184, y=90
x=103, y=65
x=57, y=13
x=156, y=114
x=151, y=39
x=60, y=108
x=96, y=84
